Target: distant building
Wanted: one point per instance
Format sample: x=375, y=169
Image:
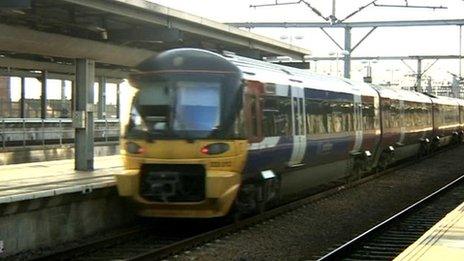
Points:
x=452, y=88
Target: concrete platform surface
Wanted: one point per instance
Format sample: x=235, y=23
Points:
x=444, y=241
x=28, y=181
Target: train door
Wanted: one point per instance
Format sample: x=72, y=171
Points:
x=253, y=113
x=299, y=126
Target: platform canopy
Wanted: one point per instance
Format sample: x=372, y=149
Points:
x=115, y=34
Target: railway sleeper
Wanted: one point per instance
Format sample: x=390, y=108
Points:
x=374, y=256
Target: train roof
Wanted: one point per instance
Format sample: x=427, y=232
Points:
x=446, y=100
x=267, y=72
x=398, y=94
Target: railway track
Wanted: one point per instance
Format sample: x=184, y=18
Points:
x=388, y=239
x=150, y=243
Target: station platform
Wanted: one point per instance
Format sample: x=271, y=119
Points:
x=29, y=181
x=45, y=204
x=444, y=241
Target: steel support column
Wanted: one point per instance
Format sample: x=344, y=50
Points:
x=118, y=101
x=347, y=56
x=419, y=76
x=23, y=98
x=460, y=51
x=63, y=91
x=83, y=116
x=43, y=95
x=101, y=98
x=73, y=95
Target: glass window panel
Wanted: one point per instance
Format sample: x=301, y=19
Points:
x=32, y=95
x=10, y=92
x=111, y=100
x=198, y=106
x=53, y=103
x=95, y=99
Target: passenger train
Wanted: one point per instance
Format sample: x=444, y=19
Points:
x=209, y=134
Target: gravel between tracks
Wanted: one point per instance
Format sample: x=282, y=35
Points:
x=306, y=233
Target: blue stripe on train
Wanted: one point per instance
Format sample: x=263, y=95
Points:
x=269, y=158
x=317, y=152
x=328, y=150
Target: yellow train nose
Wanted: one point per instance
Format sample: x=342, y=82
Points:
x=182, y=179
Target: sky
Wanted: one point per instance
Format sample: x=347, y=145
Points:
x=442, y=40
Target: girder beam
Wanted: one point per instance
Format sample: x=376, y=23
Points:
x=351, y=24
x=151, y=13
x=11, y=64
x=24, y=40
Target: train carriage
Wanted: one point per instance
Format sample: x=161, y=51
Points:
x=209, y=134
x=461, y=119
x=406, y=125
x=446, y=121
x=299, y=124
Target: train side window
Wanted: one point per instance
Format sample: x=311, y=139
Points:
x=461, y=113
x=253, y=118
x=277, y=115
x=284, y=125
x=329, y=116
x=386, y=113
x=437, y=117
x=342, y=116
x=455, y=111
x=296, y=115
x=317, y=116
x=407, y=114
x=270, y=116
x=395, y=116
x=300, y=118
x=370, y=119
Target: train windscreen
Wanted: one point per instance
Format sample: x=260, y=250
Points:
x=179, y=107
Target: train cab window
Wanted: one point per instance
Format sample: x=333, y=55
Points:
x=153, y=103
x=198, y=106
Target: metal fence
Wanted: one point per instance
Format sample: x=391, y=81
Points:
x=17, y=132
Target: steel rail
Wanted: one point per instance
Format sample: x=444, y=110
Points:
x=189, y=243
x=347, y=248
x=69, y=252
x=167, y=249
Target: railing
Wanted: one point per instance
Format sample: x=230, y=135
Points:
x=17, y=132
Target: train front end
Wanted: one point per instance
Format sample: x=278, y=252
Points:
x=184, y=146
